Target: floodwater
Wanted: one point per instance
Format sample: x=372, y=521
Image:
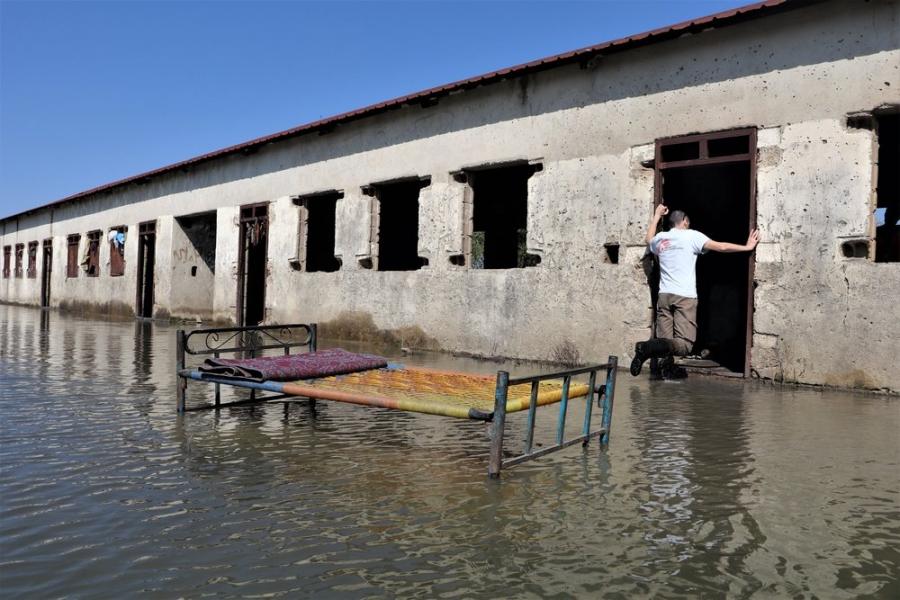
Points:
x=709, y=488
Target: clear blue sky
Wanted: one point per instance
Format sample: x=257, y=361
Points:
x=91, y=92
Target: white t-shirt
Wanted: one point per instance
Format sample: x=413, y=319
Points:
x=677, y=250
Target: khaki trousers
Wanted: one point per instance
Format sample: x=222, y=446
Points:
x=676, y=319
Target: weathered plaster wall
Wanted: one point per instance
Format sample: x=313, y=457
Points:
x=820, y=318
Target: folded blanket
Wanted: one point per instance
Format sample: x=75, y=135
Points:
x=334, y=361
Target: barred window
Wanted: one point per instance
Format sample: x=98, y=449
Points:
x=91, y=262
x=32, y=259
x=20, y=250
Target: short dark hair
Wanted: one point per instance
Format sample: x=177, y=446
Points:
x=676, y=217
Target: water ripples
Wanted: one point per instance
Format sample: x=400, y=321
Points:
x=710, y=488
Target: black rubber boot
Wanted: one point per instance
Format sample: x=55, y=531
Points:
x=656, y=348
x=669, y=370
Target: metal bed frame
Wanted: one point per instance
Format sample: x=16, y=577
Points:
x=249, y=341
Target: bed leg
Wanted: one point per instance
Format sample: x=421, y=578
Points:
x=586, y=429
x=499, y=423
x=608, y=400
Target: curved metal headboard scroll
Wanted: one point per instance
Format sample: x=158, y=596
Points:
x=244, y=339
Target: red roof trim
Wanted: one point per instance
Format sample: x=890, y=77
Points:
x=721, y=19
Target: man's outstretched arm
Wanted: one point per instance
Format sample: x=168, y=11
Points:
x=658, y=214
x=715, y=246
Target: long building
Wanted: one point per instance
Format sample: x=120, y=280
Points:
x=505, y=214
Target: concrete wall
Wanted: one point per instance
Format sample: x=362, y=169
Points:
x=819, y=318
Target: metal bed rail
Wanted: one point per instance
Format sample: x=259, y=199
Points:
x=247, y=341
x=604, y=394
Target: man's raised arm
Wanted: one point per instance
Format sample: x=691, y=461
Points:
x=658, y=214
x=715, y=246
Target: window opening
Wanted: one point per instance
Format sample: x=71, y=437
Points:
x=498, y=230
x=91, y=261
x=395, y=225
x=315, y=242
x=72, y=255
x=7, y=252
x=706, y=148
x=855, y=249
x=20, y=250
x=686, y=151
x=887, y=210
x=728, y=146
x=116, y=239
x=612, y=253
x=32, y=260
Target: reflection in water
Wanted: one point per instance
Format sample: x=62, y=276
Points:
x=710, y=488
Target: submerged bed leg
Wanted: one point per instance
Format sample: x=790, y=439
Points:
x=608, y=399
x=563, y=409
x=498, y=425
x=586, y=430
x=532, y=414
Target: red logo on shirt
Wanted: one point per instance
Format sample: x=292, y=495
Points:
x=663, y=245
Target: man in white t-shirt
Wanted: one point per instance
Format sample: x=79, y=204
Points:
x=676, y=307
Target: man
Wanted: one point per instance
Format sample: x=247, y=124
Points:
x=676, y=307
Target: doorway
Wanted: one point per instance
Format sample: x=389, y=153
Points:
x=712, y=178
x=253, y=244
x=146, y=262
x=46, y=269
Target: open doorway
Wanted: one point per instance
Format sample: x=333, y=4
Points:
x=253, y=244
x=712, y=179
x=145, y=268
x=46, y=269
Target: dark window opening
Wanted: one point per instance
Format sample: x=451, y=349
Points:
x=887, y=211
x=20, y=250
x=72, y=255
x=685, y=151
x=117, y=250
x=612, y=253
x=200, y=230
x=7, y=254
x=91, y=261
x=317, y=232
x=728, y=146
x=32, y=260
x=398, y=225
x=855, y=249
x=499, y=227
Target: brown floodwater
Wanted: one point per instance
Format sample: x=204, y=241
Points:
x=709, y=488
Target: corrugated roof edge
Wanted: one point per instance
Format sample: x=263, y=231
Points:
x=721, y=19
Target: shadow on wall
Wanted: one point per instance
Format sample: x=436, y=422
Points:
x=769, y=44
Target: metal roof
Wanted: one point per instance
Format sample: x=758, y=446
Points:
x=713, y=21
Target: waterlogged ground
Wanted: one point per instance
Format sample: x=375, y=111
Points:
x=709, y=488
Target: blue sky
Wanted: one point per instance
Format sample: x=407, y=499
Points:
x=91, y=92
